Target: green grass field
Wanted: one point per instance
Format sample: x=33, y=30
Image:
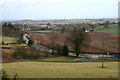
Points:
x=7, y=39
x=113, y=29
x=71, y=59
x=43, y=31
x=61, y=70
x=8, y=51
x=47, y=26
x=59, y=59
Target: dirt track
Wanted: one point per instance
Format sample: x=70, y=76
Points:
x=110, y=41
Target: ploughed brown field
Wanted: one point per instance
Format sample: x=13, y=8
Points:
x=95, y=44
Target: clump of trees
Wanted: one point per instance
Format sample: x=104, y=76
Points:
x=20, y=53
x=11, y=30
x=30, y=53
x=20, y=40
x=31, y=42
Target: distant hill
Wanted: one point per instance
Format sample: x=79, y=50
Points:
x=64, y=21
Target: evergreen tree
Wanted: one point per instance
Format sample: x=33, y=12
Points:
x=65, y=50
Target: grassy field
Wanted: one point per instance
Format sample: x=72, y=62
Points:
x=65, y=21
x=47, y=26
x=8, y=51
x=43, y=31
x=113, y=29
x=61, y=70
x=71, y=59
x=59, y=59
x=13, y=46
x=7, y=39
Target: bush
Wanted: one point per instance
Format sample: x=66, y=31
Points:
x=5, y=76
x=65, y=50
x=20, y=53
x=33, y=53
x=31, y=42
x=20, y=41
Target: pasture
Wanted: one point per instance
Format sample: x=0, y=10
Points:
x=7, y=39
x=112, y=29
x=62, y=70
x=43, y=31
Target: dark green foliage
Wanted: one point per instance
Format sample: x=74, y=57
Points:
x=15, y=77
x=10, y=25
x=11, y=30
x=84, y=29
x=59, y=50
x=31, y=42
x=5, y=76
x=65, y=50
x=5, y=25
x=20, y=40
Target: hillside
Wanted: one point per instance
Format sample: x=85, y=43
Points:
x=64, y=21
x=95, y=45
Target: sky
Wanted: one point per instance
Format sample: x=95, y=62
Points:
x=58, y=9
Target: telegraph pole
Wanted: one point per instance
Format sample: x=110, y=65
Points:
x=103, y=54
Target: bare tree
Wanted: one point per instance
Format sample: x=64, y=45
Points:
x=103, y=54
x=53, y=40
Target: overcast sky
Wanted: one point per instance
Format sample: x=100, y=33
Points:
x=58, y=9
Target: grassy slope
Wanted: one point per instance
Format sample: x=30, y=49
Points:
x=7, y=39
x=59, y=59
x=61, y=70
x=43, y=31
x=113, y=29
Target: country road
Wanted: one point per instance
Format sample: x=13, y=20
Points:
x=25, y=38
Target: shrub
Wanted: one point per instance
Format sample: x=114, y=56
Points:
x=5, y=76
x=20, y=41
x=31, y=42
x=20, y=52
x=65, y=50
